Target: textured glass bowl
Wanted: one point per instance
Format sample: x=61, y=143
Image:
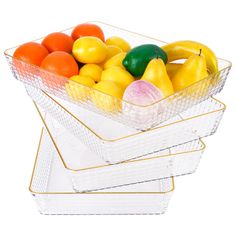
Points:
x=53, y=193
x=138, y=117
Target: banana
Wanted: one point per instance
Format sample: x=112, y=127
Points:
x=171, y=68
x=184, y=49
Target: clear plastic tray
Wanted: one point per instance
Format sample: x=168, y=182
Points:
x=139, y=117
x=88, y=172
x=53, y=193
x=114, y=142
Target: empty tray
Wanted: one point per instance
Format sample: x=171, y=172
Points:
x=53, y=193
x=88, y=172
x=114, y=142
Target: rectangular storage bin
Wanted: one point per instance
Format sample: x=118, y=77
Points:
x=136, y=116
x=115, y=142
x=53, y=193
x=88, y=172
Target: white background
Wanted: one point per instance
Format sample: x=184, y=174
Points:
x=203, y=203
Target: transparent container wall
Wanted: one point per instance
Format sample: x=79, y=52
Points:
x=89, y=172
x=53, y=193
x=138, y=117
x=115, y=142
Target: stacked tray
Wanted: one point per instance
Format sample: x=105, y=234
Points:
x=142, y=185
x=119, y=161
x=89, y=172
x=53, y=193
x=112, y=141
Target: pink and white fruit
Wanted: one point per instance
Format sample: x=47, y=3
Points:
x=142, y=93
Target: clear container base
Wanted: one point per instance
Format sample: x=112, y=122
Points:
x=88, y=172
x=52, y=191
x=114, y=142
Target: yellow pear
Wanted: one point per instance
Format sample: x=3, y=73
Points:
x=156, y=74
x=193, y=70
x=172, y=68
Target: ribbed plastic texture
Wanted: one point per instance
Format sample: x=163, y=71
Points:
x=54, y=195
x=88, y=172
x=115, y=142
x=138, y=117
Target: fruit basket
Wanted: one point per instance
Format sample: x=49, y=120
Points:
x=53, y=194
x=121, y=118
x=137, y=116
x=125, y=143
x=88, y=172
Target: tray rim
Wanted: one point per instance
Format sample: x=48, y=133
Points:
x=139, y=132
x=118, y=99
x=202, y=148
x=85, y=193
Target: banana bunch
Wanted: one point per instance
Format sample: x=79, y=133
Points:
x=184, y=49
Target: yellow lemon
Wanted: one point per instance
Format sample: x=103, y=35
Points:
x=89, y=50
x=117, y=75
x=112, y=50
x=77, y=91
x=102, y=99
x=117, y=41
x=92, y=70
x=115, y=61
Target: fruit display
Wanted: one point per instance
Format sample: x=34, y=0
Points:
x=127, y=108
x=96, y=66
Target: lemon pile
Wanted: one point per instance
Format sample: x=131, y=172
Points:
x=102, y=70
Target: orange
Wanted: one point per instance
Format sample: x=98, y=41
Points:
x=59, y=63
x=58, y=42
x=32, y=53
x=87, y=29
